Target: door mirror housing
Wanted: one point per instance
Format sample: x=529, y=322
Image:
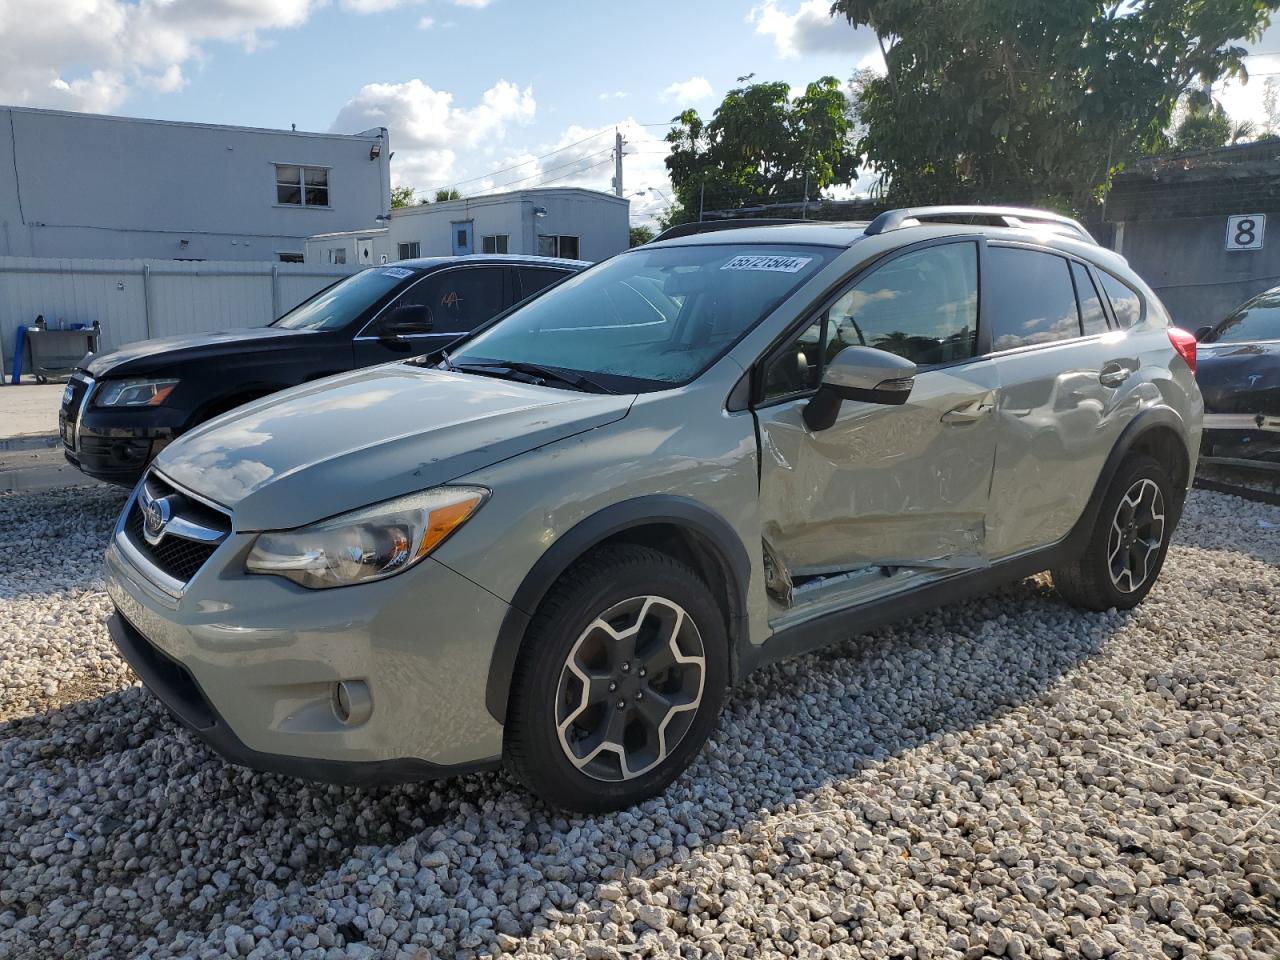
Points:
x=1202, y=332
x=406, y=320
x=859, y=373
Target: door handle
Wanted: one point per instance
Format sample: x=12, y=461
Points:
x=1114, y=373
x=968, y=412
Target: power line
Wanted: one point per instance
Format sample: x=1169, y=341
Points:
x=540, y=183
x=499, y=187
x=522, y=163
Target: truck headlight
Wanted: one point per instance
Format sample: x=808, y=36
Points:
x=371, y=543
x=134, y=393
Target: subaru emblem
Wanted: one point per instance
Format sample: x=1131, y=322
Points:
x=155, y=517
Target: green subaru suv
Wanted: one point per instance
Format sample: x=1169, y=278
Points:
x=557, y=544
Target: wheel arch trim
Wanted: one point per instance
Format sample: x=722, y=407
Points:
x=709, y=527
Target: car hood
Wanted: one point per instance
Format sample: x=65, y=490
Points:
x=148, y=356
x=1239, y=377
x=359, y=438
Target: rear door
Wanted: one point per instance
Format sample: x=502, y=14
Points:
x=459, y=298
x=1061, y=374
x=886, y=486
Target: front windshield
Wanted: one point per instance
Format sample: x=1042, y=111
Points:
x=649, y=319
x=1259, y=320
x=338, y=305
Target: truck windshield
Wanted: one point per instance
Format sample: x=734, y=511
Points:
x=649, y=319
x=340, y=304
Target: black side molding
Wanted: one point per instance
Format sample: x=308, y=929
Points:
x=709, y=527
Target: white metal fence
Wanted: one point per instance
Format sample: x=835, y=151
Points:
x=140, y=299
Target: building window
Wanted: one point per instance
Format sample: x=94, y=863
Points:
x=302, y=186
x=290, y=258
x=338, y=255
x=561, y=246
x=495, y=243
x=408, y=251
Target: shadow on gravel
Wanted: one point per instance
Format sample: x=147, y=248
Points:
x=121, y=789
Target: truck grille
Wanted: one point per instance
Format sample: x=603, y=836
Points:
x=188, y=533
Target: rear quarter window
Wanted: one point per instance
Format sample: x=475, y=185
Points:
x=1126, y=303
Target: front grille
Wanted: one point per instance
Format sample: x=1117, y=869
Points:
x=178, y=556
x=69, y=413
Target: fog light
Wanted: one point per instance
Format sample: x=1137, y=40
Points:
x=352, y=702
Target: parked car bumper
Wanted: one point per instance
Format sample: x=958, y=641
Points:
x=252, y=665
x=1241, y=439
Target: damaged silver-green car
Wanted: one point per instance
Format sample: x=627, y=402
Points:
x=558, y=544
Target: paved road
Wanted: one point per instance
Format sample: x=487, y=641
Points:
x=29, y=410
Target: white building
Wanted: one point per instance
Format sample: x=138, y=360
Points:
x=82, y=185
x=551, y=222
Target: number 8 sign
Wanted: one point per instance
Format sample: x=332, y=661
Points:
x=1245, y=232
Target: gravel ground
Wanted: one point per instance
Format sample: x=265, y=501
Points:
x=1003, y=777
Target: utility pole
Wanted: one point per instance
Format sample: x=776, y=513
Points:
x=617, y=162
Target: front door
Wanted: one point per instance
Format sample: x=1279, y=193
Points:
x=459, y=299
x=462, y=238
x=887, y=488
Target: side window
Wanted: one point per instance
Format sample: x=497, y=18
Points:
x=1031, y=298
x=459, y=299
x=1092, y=316
x=1125, y=302
x=1257, y=320
x=922, y=305
x=533, y=279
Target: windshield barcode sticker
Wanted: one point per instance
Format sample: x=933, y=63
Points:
x=771, y=264
x=398, y=272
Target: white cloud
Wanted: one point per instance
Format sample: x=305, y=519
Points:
x=613, y=95
x=473, y=4
x=688, y=91
x=426, y=23
x=810, y=29
x=92, y=54
x=426, y=127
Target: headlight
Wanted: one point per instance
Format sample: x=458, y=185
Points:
x=367, y=544
x=134, y=393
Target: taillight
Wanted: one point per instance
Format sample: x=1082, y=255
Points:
x=1185, y=344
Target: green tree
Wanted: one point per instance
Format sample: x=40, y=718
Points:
x=761, y=146
x=402, y=196
x=1034, y=99
x=641, y=235
x=449, y=193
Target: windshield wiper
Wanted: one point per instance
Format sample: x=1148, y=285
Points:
x=537, y=371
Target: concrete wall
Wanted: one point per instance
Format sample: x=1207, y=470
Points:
x=79, y=185
x=1187, y=264
x=599, y=220
x=137, y=300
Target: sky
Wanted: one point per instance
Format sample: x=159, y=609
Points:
x=478, y=94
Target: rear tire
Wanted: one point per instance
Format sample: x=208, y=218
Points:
x=619, y=682
x=1130, y=539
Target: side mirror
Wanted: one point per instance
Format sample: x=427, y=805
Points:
x=1203, y=332
x=406, y=320
x=859, y=373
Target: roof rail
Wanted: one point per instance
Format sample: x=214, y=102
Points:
x=1007, y=216
x=713, y=226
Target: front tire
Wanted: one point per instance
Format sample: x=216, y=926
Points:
x=1130, y=539
x=619, y=682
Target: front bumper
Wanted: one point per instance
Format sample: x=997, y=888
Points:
x=250, y=663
